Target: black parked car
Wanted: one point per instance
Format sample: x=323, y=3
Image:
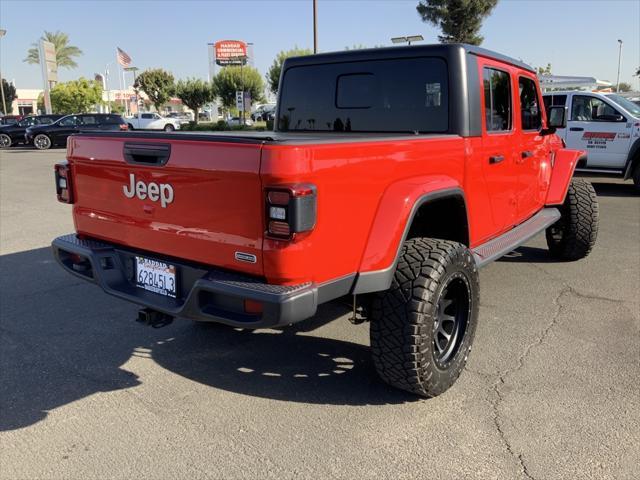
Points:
x=44, y=137
x=13, y=134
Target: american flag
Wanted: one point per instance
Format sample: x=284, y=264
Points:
x=123, y=58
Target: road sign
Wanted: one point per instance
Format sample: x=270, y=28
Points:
x=230, y=52
x=239, y=100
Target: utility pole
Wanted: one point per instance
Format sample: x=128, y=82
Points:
x=619, y=63
x=4, y=102
x=315, y=26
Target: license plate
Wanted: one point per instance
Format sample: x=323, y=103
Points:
x=155, y=276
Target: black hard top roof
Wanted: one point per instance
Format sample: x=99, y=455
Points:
x=404, y=51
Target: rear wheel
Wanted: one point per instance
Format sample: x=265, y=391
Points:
x=422, y=328
x=574, y=235
x=42, y=142
x=169, y=128
x=5, y=140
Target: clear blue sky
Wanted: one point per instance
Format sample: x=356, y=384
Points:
x=578, y=37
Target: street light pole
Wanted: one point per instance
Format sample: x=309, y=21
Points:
x=315, y=26
x=4, y=102
x=619, y=63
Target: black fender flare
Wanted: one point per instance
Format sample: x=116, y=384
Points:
x=632, y=159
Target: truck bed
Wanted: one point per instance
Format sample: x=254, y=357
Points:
x=270, y=137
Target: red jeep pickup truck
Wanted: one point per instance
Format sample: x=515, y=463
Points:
x=391, y=176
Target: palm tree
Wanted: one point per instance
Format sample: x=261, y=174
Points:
x=64, y=51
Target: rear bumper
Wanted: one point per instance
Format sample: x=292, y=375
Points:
x=203, y=294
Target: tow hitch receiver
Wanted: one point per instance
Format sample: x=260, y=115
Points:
x=153, y=318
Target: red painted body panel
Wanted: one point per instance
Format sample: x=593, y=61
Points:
x=564, y=164
x=352, y=180
x=366, y=190
x=217, y=207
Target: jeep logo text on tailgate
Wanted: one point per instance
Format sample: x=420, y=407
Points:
x=152, y=191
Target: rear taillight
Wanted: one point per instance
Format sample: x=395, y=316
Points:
x=124, y=126
x=290, y=209
x=63, y=182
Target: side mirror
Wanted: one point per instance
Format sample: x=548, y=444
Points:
x=556, y=117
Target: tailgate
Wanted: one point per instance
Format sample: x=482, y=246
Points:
x=189, y=199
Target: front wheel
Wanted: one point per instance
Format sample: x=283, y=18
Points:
x=42, y=142
x=169, y=128
x=130, y=126
x=574, y=235
x=5, y=140
x=422, y=328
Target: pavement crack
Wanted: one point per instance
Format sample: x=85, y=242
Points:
x=498, y=384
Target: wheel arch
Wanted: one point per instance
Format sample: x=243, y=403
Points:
x=633, y=159
x=412, y=205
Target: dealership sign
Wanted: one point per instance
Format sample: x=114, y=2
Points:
x=230, y=52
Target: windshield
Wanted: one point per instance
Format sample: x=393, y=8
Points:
x=628, y=105
x=395, y=95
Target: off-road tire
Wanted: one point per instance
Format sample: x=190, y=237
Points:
x=5, y=140
x=41, y=143
x=404, y=318
x=574, y=235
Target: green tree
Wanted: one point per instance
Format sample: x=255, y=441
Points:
x=158, y=84
x=65, y=53
x=459, y=20
x=9, y=96
x=116, y=107
x=273, y=74
x=232, y=79
x=623, y=87
x=544, y=70
x=76, y=96
x=195, y=93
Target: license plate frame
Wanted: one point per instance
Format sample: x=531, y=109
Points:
x=156, y=276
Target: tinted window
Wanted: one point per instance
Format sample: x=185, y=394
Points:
x=497, y=100
x=89, y=120
x=44, y=120
x=27, y=122
x=69, y=121
x=399, y=95
x=588, y=109
x=111, y=120
x=147, y=115
x=529, y=104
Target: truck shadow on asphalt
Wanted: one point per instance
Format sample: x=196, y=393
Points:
x=604, y=189
x=63, y=339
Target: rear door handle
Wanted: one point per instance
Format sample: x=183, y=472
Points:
x=576, y=129
x=496, y=159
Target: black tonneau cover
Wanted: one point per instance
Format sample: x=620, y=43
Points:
x=267, y=137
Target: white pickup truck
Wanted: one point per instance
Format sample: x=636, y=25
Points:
x=152, y=121
x=606, y=126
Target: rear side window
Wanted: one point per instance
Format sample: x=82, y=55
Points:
x=396, y=95
x=147, y=115
x=89, y=120
x=497, y=100
x=111, y=120
x=529, y=104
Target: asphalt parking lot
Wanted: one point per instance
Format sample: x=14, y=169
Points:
x=550, y=391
